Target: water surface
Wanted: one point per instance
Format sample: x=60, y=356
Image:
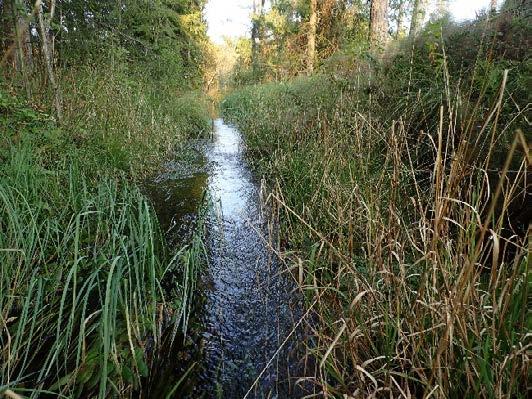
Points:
x=249, y=304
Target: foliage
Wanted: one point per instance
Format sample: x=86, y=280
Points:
x=123, y=68
x=165, y=39
x=401, y=211
x=83, y=266
x=283, y=39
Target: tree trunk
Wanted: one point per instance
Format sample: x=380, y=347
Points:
x=7, y=28
x=254, y=37
x=21, y=30
x=258, y=7
x=378, y=29
x=493, y=6
x=400, y=19
x=311, y=45
x=44, y=27
x=19, y=58
x=418, y=16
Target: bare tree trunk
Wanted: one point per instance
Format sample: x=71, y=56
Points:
x=400, y=19
x=418, y=16
x=493, y=6
x=44, y=27
x=311, y=40
x=378, y=29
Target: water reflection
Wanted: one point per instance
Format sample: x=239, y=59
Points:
x=249, y=306
x=178, y=191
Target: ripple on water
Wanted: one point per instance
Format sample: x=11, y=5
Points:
x=250, y=307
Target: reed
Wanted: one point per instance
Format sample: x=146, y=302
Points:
x=411, y=241
x=88, y=290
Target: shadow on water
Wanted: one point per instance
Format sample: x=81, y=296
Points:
x=177, y=192
x=249, y=307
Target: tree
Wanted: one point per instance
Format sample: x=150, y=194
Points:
x=6, y=24
x=378, y=23
x=165, y=40
x=44, y=30
x=418, y=16
x=299, y=34
x=442, y=8
x=311, y=47
x=256, y=29
x=22, y=43
x=399, y=8
x=493, y=6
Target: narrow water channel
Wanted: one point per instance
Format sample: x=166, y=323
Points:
x=250, y=305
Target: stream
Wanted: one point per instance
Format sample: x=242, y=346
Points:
x=250, y=306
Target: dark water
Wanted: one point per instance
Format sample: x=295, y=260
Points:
x=178, y=191
x=250, y=305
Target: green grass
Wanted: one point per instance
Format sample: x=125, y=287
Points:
x=82, y=304
x=402, y=207
x=126, y=122
x=91, y=300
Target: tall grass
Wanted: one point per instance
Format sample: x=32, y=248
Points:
x=124, y=121
x=92, y=303
x=82, y=305
x=412, y=245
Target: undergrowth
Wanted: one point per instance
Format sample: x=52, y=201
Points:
x=125, y=122
x=91, y=299
x=402, y=190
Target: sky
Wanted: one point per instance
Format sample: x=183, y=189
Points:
x=228, y=18
x=232, y=17
x=466, y=9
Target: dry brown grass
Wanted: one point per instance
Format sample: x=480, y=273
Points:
x=420, y=276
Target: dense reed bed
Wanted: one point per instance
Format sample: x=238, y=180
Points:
x=92, y=302
x=404, y=208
